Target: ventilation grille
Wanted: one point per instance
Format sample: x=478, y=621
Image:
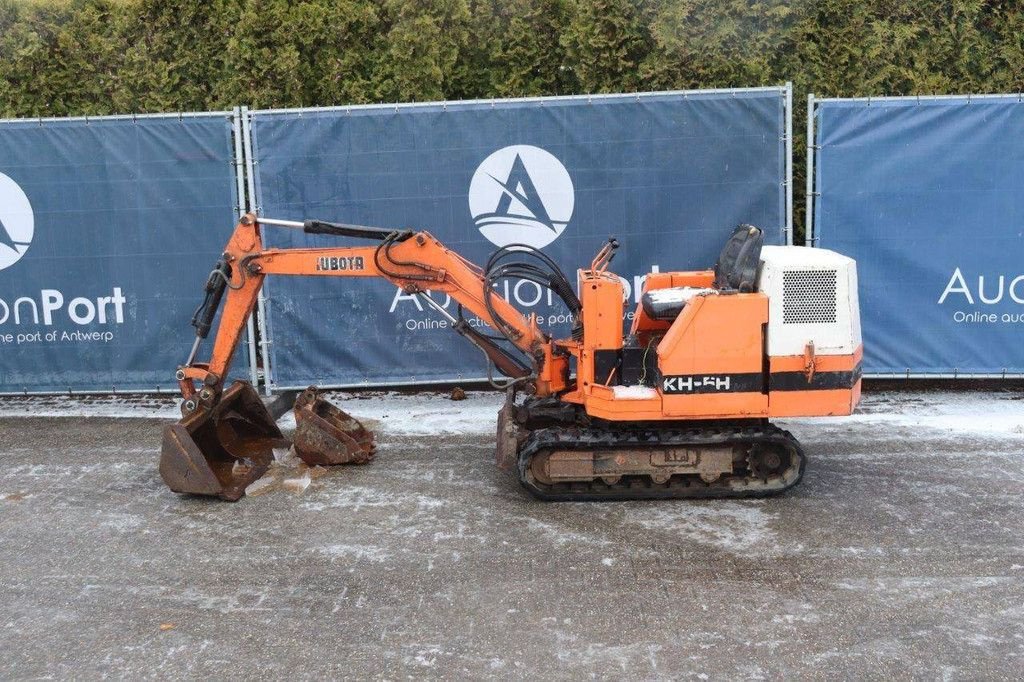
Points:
x=809, y=296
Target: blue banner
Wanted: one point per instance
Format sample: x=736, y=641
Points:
x=108, y=229
x=926, y=195
x=669, y=174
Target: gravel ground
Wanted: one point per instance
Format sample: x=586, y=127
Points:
x=901, y=554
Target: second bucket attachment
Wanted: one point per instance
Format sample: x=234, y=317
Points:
x=325, y=435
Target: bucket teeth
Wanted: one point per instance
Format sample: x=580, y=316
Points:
x=326, y=435
x=221, y=450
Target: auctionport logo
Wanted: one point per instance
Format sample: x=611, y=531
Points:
x=521, y=195
x=17, y=223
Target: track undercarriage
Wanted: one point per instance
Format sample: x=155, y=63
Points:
x=558, y=453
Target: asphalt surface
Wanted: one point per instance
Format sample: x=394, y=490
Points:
x=900, y=555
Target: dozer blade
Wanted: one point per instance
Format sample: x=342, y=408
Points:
x=221, y=450
x=510, y=437
x=325, y=435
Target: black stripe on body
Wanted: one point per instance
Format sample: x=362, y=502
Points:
x=753, y=382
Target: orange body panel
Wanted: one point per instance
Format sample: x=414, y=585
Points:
x=718, y=339
x=815, y=402
x=819, y=403
x=602, y=312
x=664, y=280
x=716, y=335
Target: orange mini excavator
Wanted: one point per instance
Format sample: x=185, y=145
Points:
x=678, y=407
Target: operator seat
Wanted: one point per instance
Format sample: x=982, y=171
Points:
x=735, y=272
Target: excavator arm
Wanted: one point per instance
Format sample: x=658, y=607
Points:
x=416, y=262
x=226, y=437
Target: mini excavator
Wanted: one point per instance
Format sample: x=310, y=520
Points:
x=677, y=407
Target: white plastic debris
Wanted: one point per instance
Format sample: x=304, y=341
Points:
x=286, y=457
x=260, y=485
x=297, y=485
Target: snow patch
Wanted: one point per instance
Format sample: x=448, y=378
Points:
x=731, y=526
x=972, y=412
x=634, y=392
x=673, y=295
x=356, y=497
x=356, y=552
x=117, y=406
x=560, y=536
x=980, y=413
x=417, y=414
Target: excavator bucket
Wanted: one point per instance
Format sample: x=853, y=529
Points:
x=220, y=451
x=325, y=435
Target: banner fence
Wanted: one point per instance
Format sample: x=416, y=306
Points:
x=669, y=174
x=108, y=228
x=925, y=193
x=142, y=206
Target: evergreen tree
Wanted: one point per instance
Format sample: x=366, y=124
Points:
x=421, y=49
x=72, y=57
x=606, y=41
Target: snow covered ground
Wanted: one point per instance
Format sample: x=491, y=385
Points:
x=970, y=412
x=900, y=555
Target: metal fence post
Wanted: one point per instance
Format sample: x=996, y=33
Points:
x=239, y=163
x=809, y=237
x=261, y=305
x=789, y=163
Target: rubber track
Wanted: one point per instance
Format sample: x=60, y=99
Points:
x=642, y=487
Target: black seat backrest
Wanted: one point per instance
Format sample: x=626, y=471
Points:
x=736, y=269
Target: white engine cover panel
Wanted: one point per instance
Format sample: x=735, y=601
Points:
x=812, y=298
